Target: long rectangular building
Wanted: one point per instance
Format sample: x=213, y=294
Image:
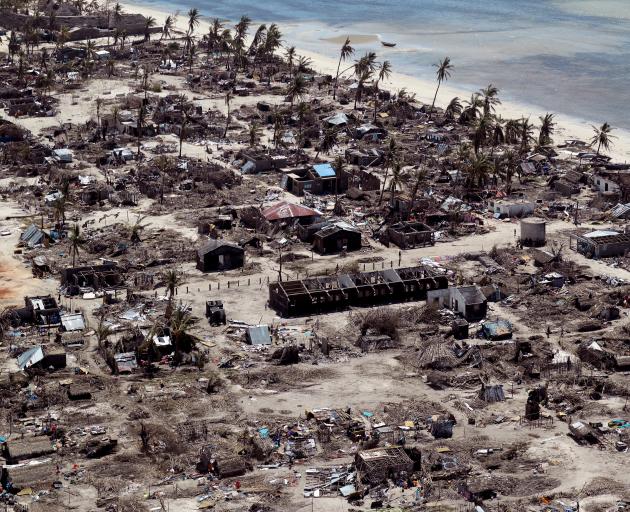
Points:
x=317, y=295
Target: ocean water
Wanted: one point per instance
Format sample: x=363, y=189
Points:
x=565, y=56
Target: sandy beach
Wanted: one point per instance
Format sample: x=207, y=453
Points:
x=568, y=127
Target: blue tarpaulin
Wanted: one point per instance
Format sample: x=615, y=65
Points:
x=324, y=170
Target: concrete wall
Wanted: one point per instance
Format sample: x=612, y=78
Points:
x=606, y=186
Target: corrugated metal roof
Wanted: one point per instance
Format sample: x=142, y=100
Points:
x=213, y=245
x=620, y=210
x=259, y=335
x=324, y=170
x=73, y=322
x=33, y=236
x=337, y=119
x=600, y=233
x=32, y=356
x=286, y=210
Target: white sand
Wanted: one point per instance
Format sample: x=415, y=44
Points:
x=568, y=127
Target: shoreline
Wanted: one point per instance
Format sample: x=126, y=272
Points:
x=567, y=127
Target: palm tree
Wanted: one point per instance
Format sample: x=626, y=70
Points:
x=303, y=110
x=395, y=181
x=135, y=229
x=116, y=37
x=480, y=134
x=512, y=131
x=509, y=163
x=471, y=111
x=102, y=331
x=443, y=73
x=384, y=72
x=59, y=211
x=115, y=119
x=547, y=127
x=419, y=175
x=490, y=99
x=99, y=104
x=273, y=41
x=297, y=88
x=526, y=130
x=192, y=49
x=63, y=36
x=75, y=242
x=226, y=46
x=454, y=109
x=194, y=18
x=118, y=11
x=497, y=135
x=339, y=167
x=290, y=54
x=111, y=68
x=90, y=49
x=603, y=137
x=363, y=69
x=180, y=323
x=148, y=24
x=167, y=28
x=328, y=141
x=240, y=34
x=123, y=38
x=478, y=170
x=303, y=64
x=257, y=40
x=140, y=123
x=14, y=44
x=391, y=157
x=228, y=99
x=278, y=126
x=254, y=134
x=345, y=53
x=172, y=280
x=183, y=127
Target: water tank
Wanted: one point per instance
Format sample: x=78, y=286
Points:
x=533, y=232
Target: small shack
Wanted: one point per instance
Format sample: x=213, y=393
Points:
x=219, y=255
x=337, y=237
x=469, y=302
x=377, y=465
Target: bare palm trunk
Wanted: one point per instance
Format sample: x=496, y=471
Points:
x=227, y=123
x=337, y=79
x=380, y=199
x=434, y=98
x=375, y=100
x=414, y=194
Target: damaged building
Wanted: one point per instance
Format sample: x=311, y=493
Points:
x=334, y=293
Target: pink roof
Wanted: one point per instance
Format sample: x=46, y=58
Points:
x=286, y=210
